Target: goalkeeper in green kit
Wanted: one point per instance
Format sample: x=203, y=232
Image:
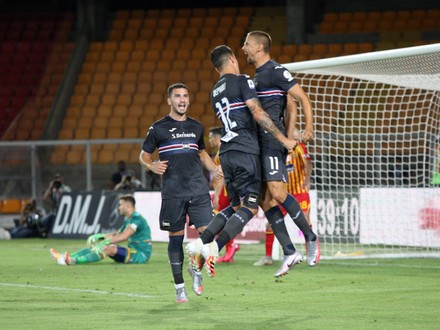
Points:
x=135, y=230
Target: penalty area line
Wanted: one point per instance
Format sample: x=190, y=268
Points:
x=56, y=288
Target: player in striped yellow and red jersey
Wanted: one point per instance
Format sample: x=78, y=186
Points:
x=299, y=170
x=220, y=199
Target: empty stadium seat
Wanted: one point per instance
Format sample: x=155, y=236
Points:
x=12, y=206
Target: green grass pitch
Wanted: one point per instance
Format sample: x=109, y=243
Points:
x=36, y=293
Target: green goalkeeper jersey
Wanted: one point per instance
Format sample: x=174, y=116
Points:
x=141, y=239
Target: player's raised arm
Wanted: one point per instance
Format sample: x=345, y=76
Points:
x=290, y=117
x=263, y=119
x=298, y=93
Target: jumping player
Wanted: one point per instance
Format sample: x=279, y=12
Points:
x=235, y=102
x=274, y=84
x=220, y=199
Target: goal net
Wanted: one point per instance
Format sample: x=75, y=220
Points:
x=376, y=148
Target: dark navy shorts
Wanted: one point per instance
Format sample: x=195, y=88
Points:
x=173, y=212
x=242, y=173
x=273, y=162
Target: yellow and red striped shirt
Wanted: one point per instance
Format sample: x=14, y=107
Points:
x=223, y=200
x=296, y=171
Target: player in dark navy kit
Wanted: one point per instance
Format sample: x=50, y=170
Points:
x=235, y=102
x=185, y=192
x=274, y=85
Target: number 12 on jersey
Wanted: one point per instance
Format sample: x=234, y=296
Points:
x=224, y=108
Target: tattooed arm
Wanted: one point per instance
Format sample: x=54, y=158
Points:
x=263, y=119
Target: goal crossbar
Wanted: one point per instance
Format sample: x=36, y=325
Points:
x=408, y=63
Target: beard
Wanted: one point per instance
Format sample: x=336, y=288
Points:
x=180, y=112
x=250, y=60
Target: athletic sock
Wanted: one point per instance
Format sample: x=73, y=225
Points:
x=80, y=253
x=175, y=256
x=234, y=226
x=269, y=242
x=86, y=258
x=276, y=220
x=216, y=225
x=292, y=207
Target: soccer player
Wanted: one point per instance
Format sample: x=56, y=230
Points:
x=235, y=102
x=299, y=170
x=274, y=84
x=135, y=231
x=185, y=191
x=221, y=199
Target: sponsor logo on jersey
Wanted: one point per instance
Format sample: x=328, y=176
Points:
x=183, y=135
x=229, y=136
x=273, y=172
x=173, y=129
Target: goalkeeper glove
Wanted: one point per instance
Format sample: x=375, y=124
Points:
x=98, y=249
x=91, y=240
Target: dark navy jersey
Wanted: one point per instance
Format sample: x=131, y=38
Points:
x=179, y=142
x=228, y=99
x=272, y=81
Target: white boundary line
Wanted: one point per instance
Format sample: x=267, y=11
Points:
x=376, y=264
x=55, y=288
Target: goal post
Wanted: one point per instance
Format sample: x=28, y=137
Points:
x=377, y=139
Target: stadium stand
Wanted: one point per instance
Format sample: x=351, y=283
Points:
x=34, y=55
x=131, y=73
x=121, y=86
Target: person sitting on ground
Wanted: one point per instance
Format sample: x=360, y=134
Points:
x=135, y=230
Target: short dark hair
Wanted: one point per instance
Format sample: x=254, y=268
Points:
x=175, y=86
x=219, y=55
x=216, y=130
x=264, y=38
x=128, y=198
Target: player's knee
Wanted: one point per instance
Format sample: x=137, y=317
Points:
x=268, y=204
x=110, y=250
x=235, y=202
x=279, y=195
x=251, y=201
